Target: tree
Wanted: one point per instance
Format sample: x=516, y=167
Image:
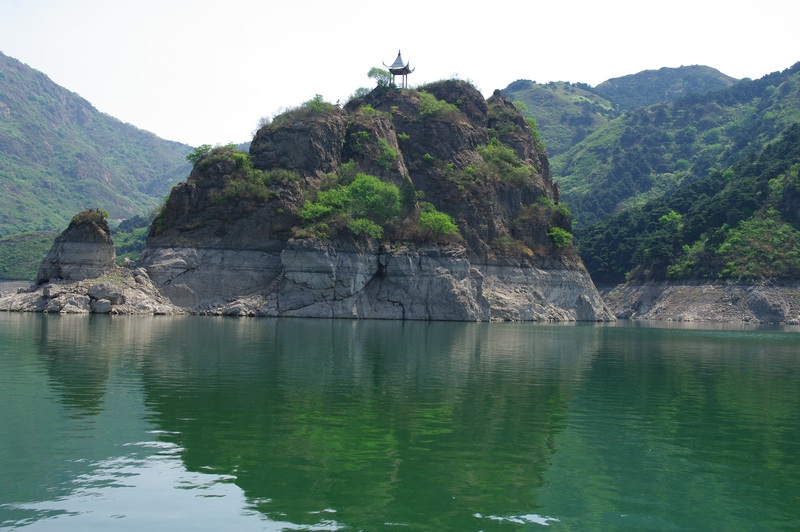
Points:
x=382, y=77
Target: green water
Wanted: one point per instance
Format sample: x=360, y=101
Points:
x=140, y=423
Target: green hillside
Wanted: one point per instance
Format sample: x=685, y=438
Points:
x=566, y=113
x=650, y=87
x=59, y=155
x=656, y=150
x=740, y=223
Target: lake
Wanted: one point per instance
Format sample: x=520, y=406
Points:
x=194, y=423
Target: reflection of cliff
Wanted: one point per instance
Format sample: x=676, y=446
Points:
x=79, y=353
x=77, y=360
x=65, y=408
x=377, y=420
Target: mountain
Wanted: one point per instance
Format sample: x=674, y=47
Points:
x=656, y=150
x=59, y=155
x=741, y=223
x=567, y=113
x=663, y=85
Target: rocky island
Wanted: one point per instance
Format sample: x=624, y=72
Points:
x=430, y=204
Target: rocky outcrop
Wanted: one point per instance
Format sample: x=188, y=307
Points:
x=120, y=291
x=84, y=250
x=317, y=279
x=79, y=275
x=223, y=245
x=717, y=302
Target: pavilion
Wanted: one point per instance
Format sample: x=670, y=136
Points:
x=398, y=68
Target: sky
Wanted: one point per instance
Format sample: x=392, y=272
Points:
x=206, y=72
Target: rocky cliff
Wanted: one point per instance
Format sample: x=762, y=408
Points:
x=80, y=275
x=411, y=204
x=83, y=251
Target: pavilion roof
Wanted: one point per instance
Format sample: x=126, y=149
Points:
x=398, y=67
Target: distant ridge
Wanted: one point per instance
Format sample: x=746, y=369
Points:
x=663, y=85
x=59, y=155
x=568, y=112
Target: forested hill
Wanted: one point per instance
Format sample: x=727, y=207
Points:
x=565, y=112
x=650, y=87
x=568, y=112
x=741, y=223
x=59, y=155
x=656, y=150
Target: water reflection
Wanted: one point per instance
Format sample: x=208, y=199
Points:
x=683, y=418
x=315, y=424
x=382, y=421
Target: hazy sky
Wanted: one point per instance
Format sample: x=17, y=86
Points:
x=205, y=72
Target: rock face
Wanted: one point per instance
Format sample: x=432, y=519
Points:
x=119, y=291
x=314, y=279
x=233, y=239
x=84, y=250
x=722, y=302
x=79, y=275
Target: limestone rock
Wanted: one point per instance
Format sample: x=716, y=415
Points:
x=718, y=302
x=101, y=306
x=318, y=279
x=84, y=250
x=125, y=292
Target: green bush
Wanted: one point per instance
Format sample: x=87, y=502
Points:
x=246, y=182
x=318, y=105
x=504, y=163
x=198, y=153
x=364, y=227
x=534, y=125
x=367, y=202
x=558, y=209
x=387, y=157
x=430, y=105
x=382, y=77
x=561, y=237
x=374, y=199
x=439, y=224
x=314, y=211
x=217, y=154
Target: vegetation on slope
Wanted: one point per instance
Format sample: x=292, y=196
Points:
x=657, y=150
x=22, y=253
x=666, y=84
x=741, y=223
x=59, y=156
x=566, y=113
